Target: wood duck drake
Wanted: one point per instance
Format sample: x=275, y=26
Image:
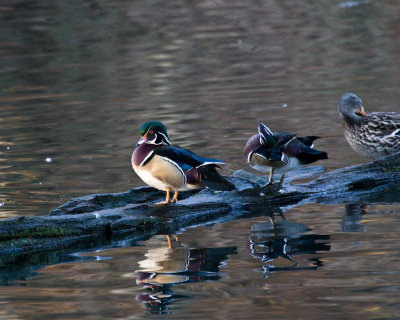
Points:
x=372, y=135
x=171, y=168
x=280, y=151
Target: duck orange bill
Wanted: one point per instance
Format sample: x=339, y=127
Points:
x=362, y=112
x=142, y=140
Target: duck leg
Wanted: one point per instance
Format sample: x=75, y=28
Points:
x=282, y=177
x=175, y=198
x=167, y=199
x=178, y=243
x=272, y=220
x=271, y=173
x=169, y=242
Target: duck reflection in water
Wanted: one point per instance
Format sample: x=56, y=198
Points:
x=277, y=242
x=164, y=268
x=352, y=219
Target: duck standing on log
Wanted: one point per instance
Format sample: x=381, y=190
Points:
x=280, y=151
x=171, y=168
x=373, y=135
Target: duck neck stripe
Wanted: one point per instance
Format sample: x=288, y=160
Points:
x=147, y=159
x=165, y=140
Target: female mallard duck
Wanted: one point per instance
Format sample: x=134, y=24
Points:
x=172, y=168
x=373, y=135
x=280, y=151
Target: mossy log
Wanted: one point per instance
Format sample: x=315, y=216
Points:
x=131, y=215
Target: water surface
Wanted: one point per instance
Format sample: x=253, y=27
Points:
x=78, y=78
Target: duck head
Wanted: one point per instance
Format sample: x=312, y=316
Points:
x=351, y=109
x=153, y=132
x=266, y=136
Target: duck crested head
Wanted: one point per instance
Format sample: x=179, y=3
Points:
x=153, y=132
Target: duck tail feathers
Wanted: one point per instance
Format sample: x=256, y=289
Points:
x=308, y=140
x=212, y=179
x=311, y=155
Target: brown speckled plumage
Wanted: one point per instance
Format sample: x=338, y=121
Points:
x=372, y=135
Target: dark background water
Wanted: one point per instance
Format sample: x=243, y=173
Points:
x=78, y=78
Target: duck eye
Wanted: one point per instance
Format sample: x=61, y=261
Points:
x=151, y=131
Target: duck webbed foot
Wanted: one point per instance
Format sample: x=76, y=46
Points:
x=167, y=198
x=175, y=198
x=271, y=181
x=163, y=202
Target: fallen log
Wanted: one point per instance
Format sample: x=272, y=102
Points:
x=130, y=215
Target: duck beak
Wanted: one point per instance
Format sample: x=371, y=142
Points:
x=141, y=140
x=362, y=112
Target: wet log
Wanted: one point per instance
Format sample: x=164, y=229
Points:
x=130, y=215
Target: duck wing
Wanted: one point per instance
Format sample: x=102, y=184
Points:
x=282, y=138
x=184, y=158
x=198, y=170
x=308, y=140
x=305, y=154
x=386, y=124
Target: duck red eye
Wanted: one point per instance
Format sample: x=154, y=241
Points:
x=151, y=131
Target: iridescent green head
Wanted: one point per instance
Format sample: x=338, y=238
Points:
x=154, y=132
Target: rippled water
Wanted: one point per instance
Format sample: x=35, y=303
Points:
x=77, y=79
